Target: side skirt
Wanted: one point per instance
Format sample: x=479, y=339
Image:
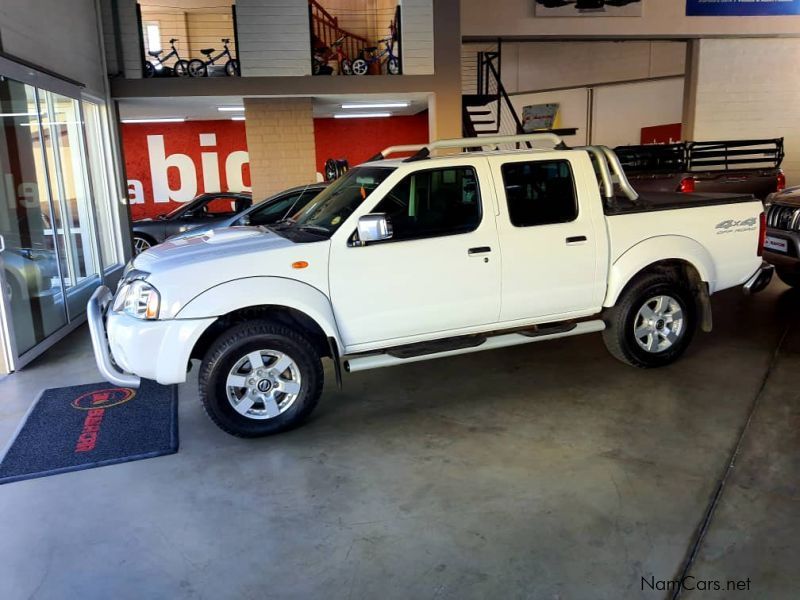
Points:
x=402, y=355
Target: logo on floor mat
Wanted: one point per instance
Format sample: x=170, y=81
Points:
x=103, y=398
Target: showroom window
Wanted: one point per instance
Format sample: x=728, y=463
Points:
x=101, y=163
x=540, y=192
x=433, y=203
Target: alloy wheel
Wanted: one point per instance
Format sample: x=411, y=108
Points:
x=263, y=384
x=659, y=324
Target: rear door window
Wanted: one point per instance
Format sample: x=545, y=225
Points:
x=540, y=192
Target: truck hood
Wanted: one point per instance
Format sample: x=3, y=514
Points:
x=788, y=197
x=183, y=269
x=215, y=246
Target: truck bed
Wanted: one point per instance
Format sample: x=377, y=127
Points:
x=658, y=201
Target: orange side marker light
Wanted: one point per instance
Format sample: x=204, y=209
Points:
x=300, y=264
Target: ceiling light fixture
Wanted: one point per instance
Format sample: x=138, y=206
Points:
x=376, y=115
x=237, y=118
x=403, y=104
x=156, y=120
x=230, y=108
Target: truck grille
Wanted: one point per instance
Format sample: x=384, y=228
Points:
x=783, y=217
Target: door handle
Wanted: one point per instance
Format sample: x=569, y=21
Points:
x=479, y=250
x=576, y=239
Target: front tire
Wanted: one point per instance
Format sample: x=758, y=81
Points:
x=197, y=68
x=393, y=65
x=260, y=378
x=232, y=68
x=181, y=68
x=790, y=278
x=652, y=323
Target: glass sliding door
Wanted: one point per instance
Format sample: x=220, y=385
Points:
x=32, y=296
x=74, y=228
x=59, y=220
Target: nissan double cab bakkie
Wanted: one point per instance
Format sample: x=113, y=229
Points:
x=405, y=260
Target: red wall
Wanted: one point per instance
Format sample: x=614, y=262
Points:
x=181, y=166
x=184, y=139
x=359, y=139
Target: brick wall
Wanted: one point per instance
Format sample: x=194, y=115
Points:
x=740, y=92
x=274, y=37
x=280, y=140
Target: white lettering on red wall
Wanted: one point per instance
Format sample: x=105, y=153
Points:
x=170, y=163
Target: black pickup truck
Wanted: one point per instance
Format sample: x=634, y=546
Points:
x=736, y=166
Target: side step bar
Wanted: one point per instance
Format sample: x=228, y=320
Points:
x=376, y=361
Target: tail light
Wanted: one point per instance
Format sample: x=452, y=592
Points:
x=686, y=186
x=781, y=181
x=762, y=233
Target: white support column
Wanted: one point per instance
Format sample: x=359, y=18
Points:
x=274, y=37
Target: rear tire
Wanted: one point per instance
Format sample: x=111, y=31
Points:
x=789, y=277
x=148, y=70
x=652, y=323
x=248, y=399
x=360, y=67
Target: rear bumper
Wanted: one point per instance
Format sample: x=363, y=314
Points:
x=760, y=279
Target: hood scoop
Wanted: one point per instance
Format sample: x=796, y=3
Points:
x=231, y=234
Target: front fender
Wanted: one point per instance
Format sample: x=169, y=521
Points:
x=665, y=247
x=259, y=291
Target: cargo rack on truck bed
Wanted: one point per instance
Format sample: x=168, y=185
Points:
x=702, y=156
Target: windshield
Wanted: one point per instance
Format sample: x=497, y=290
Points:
x=326, y=213
x=192, y=204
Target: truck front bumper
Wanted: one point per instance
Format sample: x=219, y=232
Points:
x=127, y=349
x=760, y=279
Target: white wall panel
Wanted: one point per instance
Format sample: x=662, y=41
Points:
x=742, y=92
x=274, y=37
x=620, y=111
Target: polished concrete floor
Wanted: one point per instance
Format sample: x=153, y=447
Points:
x=547, y=471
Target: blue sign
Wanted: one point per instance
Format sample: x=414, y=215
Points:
x=741, y=8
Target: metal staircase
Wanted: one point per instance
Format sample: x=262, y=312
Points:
x=489, y=111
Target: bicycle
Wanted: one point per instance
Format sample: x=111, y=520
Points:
x=199, y=68
x=181, y=67
x=324, y=55
x=369, y=57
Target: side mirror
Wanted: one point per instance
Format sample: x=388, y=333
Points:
x=374, y=228
x=244, y=221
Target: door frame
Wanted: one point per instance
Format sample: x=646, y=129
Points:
x=41, y=80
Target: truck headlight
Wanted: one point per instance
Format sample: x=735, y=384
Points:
x=138, y=299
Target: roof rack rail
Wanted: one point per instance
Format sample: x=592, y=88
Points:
x=423, y=151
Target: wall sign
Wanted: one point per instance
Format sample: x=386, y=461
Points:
x=539, y=116
x=170, y=163
x=741, y=8
x=588, y=8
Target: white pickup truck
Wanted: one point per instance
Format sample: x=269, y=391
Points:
x=413, y=259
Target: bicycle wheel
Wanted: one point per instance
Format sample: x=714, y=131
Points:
x=148, y=70
x=393, y=65
x=360, y=66
x=232, y=68
x=181, y=68
x=197, y=68
x=347, y=67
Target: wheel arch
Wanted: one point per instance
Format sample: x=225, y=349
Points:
x=289, y=301
x=682, y=255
